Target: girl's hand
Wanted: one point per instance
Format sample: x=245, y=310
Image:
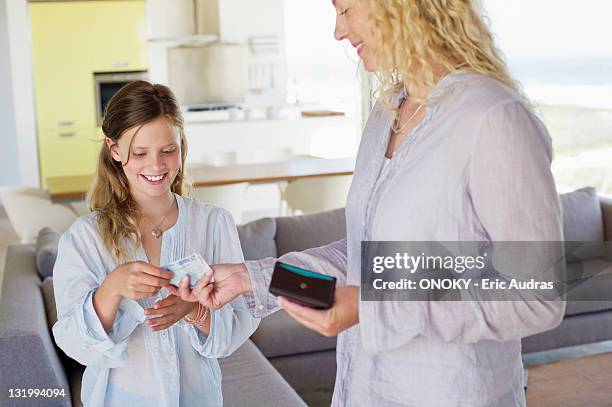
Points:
x=330, y=322
x=136, y=280
x=168, y=311
x=215, y=290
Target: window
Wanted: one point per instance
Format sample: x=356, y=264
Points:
x=561, y=53
x=323, y=73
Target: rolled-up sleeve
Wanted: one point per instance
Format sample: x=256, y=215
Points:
x=232, y=324
x=330, y=259
x=513, y=198
x=78, y=330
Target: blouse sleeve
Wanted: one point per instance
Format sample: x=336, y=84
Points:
x=232, y=324
x=77, y=274
x=514, y=198
x=330, y=259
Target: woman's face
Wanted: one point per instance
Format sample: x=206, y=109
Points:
x=353, y=24
x=151, y=157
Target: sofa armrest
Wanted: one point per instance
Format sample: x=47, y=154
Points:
x=27, y=353
x=606, y=212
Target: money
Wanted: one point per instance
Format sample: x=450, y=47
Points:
x=193, y=266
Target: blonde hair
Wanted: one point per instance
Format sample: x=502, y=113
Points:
x=420, y=34
x=134, y=105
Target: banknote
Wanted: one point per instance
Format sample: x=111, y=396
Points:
x=193, y=266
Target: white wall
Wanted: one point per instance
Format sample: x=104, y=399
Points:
x=8, y=160
x=19, y=154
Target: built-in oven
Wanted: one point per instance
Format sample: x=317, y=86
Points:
x=108, y=83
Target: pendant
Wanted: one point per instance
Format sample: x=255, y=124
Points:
x=156, y=232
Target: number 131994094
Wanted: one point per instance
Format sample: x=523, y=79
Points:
x=36, y=393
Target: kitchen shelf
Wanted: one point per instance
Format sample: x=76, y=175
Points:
x=187, y=40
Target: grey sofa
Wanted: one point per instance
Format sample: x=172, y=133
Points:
x=586, y=218
x=282, y=358
x=30, y=359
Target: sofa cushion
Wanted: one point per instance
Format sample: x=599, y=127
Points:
x=244, y=374
x=46, y=251
x=297, y=233
x=46, y=287
x=574, y=330
x=280, y=335
x=311, y=375
x=590, y=287
x=24, y=336
x=582, y=222
x=250, y=380
x=257, y=239
x=75, y=379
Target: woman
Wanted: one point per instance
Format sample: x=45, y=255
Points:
x=107, y=278
x=451, y=152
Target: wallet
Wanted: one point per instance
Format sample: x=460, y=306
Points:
x=303, y=286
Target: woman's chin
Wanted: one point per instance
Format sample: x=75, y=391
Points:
x=370, y=65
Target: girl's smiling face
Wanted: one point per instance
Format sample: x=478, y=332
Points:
x=150, y=155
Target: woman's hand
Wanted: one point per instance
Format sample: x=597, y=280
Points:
x=218, y=287
x=137, y=280
x=168, y=311
x=330, y=322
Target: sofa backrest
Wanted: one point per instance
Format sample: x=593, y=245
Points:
x=273, y=237
x=28, y=355
x=606, y=211
x=583, y=229
x=257, y=239
x=297, y=233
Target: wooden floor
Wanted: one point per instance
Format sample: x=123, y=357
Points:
x=582, y=382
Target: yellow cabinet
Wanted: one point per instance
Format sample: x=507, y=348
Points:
x=118, y=41
x=68, y=151
x=72, y=40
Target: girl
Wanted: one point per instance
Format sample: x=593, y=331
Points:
x=107, y=278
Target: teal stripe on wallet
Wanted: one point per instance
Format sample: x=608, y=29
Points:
x=306, y=273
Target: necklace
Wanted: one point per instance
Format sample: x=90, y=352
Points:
x=399, y=130
x=156, y=232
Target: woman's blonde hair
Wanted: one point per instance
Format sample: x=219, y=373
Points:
x=134, y=105
x=420, y=34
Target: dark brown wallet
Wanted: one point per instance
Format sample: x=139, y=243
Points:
x=303, y=286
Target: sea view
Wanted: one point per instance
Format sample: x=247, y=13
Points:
x=574, y=99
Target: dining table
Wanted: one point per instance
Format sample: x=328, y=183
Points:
x=74, y=188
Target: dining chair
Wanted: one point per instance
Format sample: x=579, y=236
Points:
x=317, y=194
x=219, y=158
x=270, y=196
x=230, y=197
x=31, y=209
x=265, y=155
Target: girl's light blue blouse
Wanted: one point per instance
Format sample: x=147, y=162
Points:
x=477, y=168
x=132, y=365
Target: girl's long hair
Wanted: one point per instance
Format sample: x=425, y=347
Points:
x=134, y=105
x=417, y=34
